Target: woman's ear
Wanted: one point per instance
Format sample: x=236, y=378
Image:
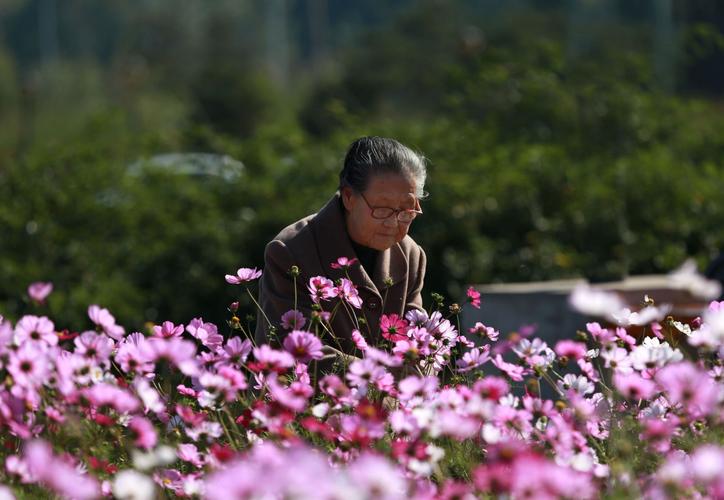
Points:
x=347, y=197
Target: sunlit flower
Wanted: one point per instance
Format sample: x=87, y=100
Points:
x=243, y=275
x=594, y=302
x=321, y=288
x=168, y=329
x=484, y=332
x=474, y=359
x=133, y=485
x=348, y=292
x=343, y=263
x=687, y=277
x=393, y=328
x=38, y=330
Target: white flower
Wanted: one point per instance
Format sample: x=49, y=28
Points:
x=593, y=302
x=617, y=358
x=320, y=410
x=653, y=353
x=132, y=485
x=686, y=277
x=163, y=455
x=510, y=400
x=625, y=317
x=579, y=383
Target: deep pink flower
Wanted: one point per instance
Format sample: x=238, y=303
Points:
x=393, y=328
x=343, y=263
x=293, y=320
x=321, y=288
x=168, y=329
x=243, y=275
x=473, y=297
x=145, y=432
x=348, y=292
x=492, y=387
x=39, y=291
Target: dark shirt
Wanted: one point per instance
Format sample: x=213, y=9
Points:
x=367, y=257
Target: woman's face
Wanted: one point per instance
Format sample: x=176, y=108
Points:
x=384, y=190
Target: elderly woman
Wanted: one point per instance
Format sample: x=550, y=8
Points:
x=367, y=219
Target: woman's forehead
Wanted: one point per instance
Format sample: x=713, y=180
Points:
x=391, y=187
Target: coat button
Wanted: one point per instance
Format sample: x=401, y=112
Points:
x=372, y=305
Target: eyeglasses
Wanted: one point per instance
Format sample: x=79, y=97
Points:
x=404, y=215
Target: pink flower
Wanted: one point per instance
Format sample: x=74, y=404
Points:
x=359, y=341
x=57, y=474
x=207, y=333
x=484, y=332
x=414, y=387
x=321, y=288
x=571, y=349
x=168, y=329
x=39, y=291
x=634, y=387
x=689, y=387
x=38, y=330
x=179, y=352
x=473, y=297
x=28, y=366
x=491, y=387
x=293, y=320
x=348, y=292
x=304, y=346
x=268, y=359
x=473, y=359
x=515, y=372
x=343, y=263
x=146, y=437
x=295, y=397
x=94, y=346
x=243, y=275
x=104, y=394
x=130, y=354
x=188, y=453
x=236, y=351
x=103, y=318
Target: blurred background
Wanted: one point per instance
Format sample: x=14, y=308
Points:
x=148, y=147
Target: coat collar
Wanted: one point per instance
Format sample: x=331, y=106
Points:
x=332, y=239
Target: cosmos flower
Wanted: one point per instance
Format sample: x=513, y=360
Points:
x=243, y=275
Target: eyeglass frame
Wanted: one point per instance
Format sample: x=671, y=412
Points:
x=395, y=211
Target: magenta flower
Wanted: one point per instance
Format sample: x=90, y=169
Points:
x=348, y=292
x=304, y=346
x=321, y=288
x=268, y=359
x=243, y=275
x=130, y=354
x=179, y=352
x=235, y=351
x=473, y=297
x=39, y=291
x=295, y=397
x=37, y=330
x=293, y=320
x=343, y=263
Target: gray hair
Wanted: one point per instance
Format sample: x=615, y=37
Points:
x=369, y=156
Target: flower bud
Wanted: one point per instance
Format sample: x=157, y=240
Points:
x=294, y=271
x=234, y=306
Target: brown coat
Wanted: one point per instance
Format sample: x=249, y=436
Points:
x=312, y=244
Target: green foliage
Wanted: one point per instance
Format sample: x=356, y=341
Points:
x=543, y=163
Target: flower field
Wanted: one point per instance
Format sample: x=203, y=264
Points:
x=198, y=410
